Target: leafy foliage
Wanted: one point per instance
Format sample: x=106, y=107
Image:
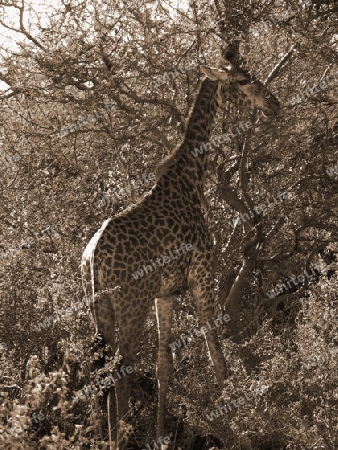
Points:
x=94, y=95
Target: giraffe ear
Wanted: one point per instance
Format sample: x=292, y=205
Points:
x=215, y=74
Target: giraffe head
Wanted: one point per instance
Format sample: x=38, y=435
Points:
x=239, y=87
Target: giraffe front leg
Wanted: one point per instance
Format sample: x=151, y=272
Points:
x=164, y=366
x=202, y=290
x=215, y=350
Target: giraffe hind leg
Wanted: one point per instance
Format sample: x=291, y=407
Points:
x=105, y=346
x=130, y=322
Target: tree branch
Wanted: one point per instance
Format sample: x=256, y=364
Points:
x=22, y=28
x=273, y=74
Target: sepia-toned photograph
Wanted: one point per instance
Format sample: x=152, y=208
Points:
x=168, y=225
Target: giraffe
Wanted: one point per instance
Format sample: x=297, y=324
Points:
x=161, y=246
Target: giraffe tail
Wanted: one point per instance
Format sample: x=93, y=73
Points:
x=92, y=282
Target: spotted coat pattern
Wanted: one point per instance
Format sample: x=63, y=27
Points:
x=163, y=224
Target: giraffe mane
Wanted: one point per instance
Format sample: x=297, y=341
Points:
x=169, y=160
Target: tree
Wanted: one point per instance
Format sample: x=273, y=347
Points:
x=96, y=94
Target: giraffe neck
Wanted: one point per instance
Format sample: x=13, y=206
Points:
x=202, y=114
x=181, y=165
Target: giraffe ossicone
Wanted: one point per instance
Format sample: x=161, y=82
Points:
x=171, y=213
